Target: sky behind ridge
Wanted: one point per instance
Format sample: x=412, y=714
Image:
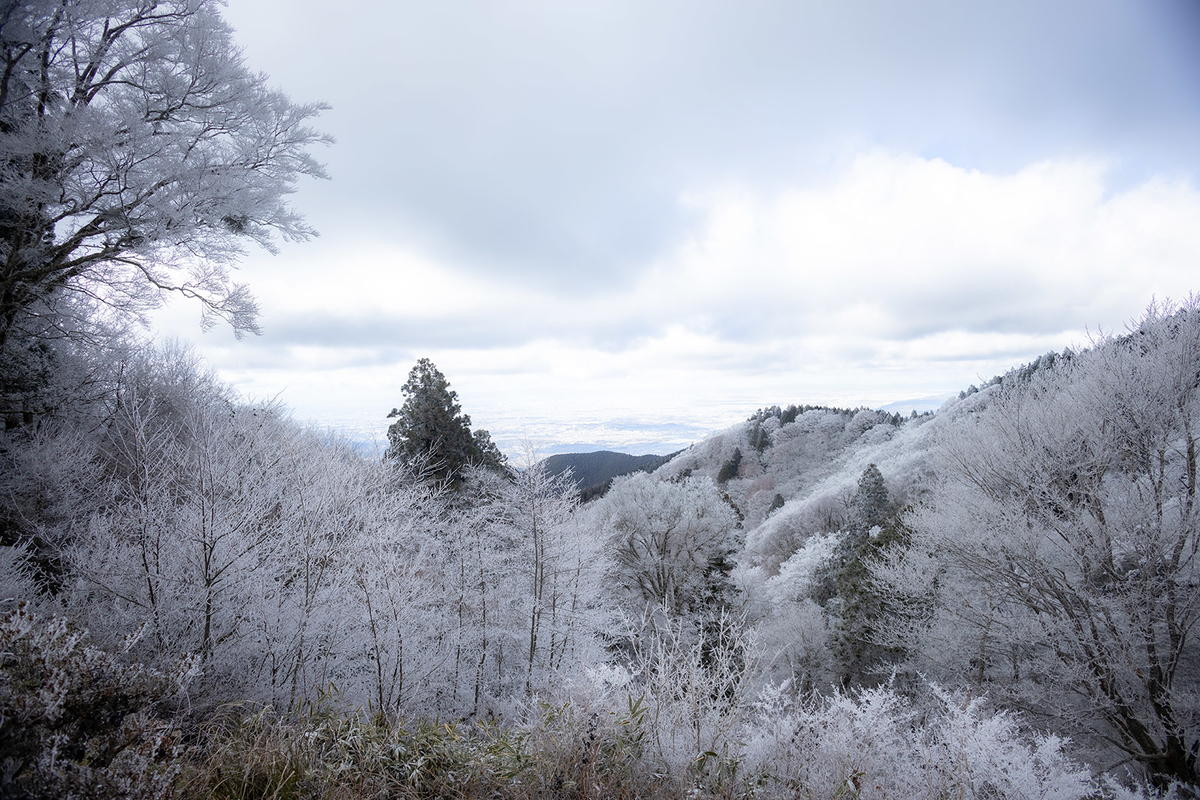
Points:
x=625, y=225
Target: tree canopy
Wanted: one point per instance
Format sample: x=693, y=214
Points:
x=1058, y=559
x=870, y=507
x=138, y=153
x=430, y=428
x=668, y=540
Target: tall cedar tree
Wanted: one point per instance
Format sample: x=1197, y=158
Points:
x=871, y=500
x=431, y=428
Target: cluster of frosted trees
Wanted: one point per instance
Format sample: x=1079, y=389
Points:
x=1044, y=556
x=1054, y=565
x=1031, y=551
x=174, y=522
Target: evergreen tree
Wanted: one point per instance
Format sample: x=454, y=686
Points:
x=864, y=609
x=868, y=510
x=870, y=501
x=729, y=469
x=431, y=428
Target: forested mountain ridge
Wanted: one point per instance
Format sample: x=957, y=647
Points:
x=779, y=461
x=593, y=472
x=1033, y=530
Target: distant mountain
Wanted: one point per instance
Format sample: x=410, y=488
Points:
x=593, y=472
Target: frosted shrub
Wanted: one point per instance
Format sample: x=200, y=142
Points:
x=16, y=580
x=75, y=722
x=827, y=747
x=874, y=744
x=694, y=682
x=974, y=753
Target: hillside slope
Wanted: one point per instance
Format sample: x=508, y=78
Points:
x=791, y=473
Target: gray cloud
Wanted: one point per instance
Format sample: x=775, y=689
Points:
x=499, y=328
x=550, y=199
x=550, y=143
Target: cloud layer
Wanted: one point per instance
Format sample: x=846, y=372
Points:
x=627, y=224
x=899, y=277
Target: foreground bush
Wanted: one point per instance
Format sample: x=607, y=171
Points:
x=871, y=745
x=75, y=722
x=874, y=744
x=563, y=754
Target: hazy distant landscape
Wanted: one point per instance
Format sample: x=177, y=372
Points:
x=682, y=401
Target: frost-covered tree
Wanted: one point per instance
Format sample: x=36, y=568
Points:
x=1057, y=561
x=541, y=514
x=668, y=540
x=729, y=469
x=275, y=554
x=393, y=572
x=519, y=582
x=191, y=543
x=137, y=153
x=431, y=428
x=870, y=501
x=862, y=610
x=790, y=631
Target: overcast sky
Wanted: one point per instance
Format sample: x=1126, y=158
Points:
x=626, y=225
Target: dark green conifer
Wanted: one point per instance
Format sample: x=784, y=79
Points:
x=870, y=501
x=729, y=469
x=431, y=429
